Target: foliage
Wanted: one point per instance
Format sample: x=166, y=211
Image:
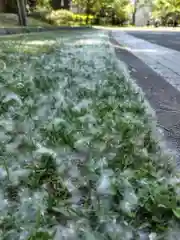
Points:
x=122, y=9
x=83, y=4
x=78, y=159
x=32, y=3
x=60, y=17
x=81, y=18
x=43, y=4
x=165, y=8
x=107, y=9
x=110, y=12
x=63, y=17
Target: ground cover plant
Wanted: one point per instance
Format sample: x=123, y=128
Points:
x=78, y=158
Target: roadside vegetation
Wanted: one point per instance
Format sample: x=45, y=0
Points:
x=167, y=11
x=63, y=18
x=89, y=12
x=78, y=156
x=110, y=13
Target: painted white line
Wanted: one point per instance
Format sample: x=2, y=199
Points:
x=165, y=61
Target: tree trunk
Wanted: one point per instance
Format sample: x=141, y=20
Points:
x=87, y=12
x=134, y=17
x=22, y=12
x=134, y=12
x=113, y=18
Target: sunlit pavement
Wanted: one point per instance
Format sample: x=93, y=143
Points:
x=163, y=60
x=167, y=37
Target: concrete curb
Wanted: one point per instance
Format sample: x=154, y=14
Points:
x=21, y=30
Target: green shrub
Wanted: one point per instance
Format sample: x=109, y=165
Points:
x=43, y=4
x=60, y=17
x=63, y=17
x=82, y=18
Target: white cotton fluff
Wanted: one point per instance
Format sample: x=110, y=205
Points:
x=3, y=173
x=129, y=202
x=65, y=233
x=12, y=96
x=43, y=150
x=153, y=236
x=104, y=184
x=3, y=202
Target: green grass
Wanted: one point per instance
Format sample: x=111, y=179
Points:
x=78, y=159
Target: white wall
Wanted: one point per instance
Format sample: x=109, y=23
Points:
x=143, y=14
x=74, y=8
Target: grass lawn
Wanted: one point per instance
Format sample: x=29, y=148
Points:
x=78, y=159
x=11, y=20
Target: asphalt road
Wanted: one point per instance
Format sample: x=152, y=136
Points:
x=166, y=38
x=161, y=95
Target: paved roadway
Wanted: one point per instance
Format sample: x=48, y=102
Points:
x=163, y=95
x=169, y=39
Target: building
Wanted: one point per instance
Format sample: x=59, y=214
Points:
x=143, y=15
x=61, y=4
x=74, y=8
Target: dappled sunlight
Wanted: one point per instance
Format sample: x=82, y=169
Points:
x=39, y=42
x=29, y=46
x=44, y=42
x=91, y=39
x=141, y=50
x=88, y=42
x=140, y=46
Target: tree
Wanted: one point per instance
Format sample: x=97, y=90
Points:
x=121, y=9
x=21, y=8
x=166, y=8
x=135, y=5
x=117, y=10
